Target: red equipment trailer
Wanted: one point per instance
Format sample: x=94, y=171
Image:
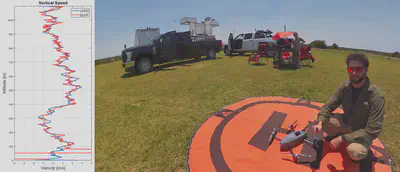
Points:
x=287, y=53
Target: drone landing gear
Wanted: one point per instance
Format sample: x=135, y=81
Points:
x=318, y=146
x=296, y=157
x=366, y=163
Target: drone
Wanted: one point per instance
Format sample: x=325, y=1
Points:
x=292, y=139
x=295, y=138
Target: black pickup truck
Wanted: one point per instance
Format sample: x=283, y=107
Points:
x=168, y=47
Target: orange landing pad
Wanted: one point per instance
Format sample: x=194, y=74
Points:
x=235, y=137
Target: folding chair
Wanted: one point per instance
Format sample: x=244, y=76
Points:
x=254, y=58
x=261, y=55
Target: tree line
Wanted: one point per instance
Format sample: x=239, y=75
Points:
x=321, y=44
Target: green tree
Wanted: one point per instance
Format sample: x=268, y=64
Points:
x=396, y=54
x=335, y=46
x=319, y=44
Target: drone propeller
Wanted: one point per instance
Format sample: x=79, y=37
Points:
x=293, y=123
x=273, y=136
x=305, y=128
x=291, y=127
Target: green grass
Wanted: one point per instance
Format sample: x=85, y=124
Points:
x=144, y=122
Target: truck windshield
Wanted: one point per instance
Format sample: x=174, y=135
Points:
x=155, y=38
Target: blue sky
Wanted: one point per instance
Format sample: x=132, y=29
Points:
x=363, y=24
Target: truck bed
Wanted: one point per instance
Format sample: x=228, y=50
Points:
x=196, y=45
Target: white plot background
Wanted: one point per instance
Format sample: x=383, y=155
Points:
x=39, y=84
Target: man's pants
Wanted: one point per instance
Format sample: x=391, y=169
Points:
x=336, y=127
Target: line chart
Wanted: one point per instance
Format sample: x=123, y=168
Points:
x=70, y=79
x=47, y=77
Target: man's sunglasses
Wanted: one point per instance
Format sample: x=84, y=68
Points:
x=355, y=69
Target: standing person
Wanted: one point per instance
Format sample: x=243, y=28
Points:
x=363, y=106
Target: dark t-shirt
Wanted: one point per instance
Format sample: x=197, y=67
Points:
x=356, y=92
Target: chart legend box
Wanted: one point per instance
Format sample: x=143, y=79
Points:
x=80, y=12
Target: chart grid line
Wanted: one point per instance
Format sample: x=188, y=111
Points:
x=45, y=160
x=91, y=74
x=64, y=34
x=33, y=97
x=81, y=118
x=14, y=81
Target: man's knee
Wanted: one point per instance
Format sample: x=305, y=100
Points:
x=357, y=151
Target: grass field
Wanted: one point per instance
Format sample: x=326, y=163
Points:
x=144, y=122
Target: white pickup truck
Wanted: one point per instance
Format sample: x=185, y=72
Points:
x=247, y=42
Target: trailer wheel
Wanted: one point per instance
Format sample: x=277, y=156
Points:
x=144, y=65
x=211, y=54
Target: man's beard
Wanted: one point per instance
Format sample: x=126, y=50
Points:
x=358, y=80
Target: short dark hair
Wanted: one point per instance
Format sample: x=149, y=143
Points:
x=358, y=56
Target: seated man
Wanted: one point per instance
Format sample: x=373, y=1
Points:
x=363, y=106
x=283, y=42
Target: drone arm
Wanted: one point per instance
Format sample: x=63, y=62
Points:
x=283, y=130
x=309, y=142
x=304, y=155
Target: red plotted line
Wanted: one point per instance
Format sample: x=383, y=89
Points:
x=50, y=22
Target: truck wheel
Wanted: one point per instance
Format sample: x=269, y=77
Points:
x=144, y=65
x=227, y=52
x=211, y=54
x=197, y=58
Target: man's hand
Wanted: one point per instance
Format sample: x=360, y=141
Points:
x=317, y=127
x=335, y=143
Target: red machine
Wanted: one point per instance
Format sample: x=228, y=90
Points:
x=297, y=50
x=305, y=55
x=287, y=52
